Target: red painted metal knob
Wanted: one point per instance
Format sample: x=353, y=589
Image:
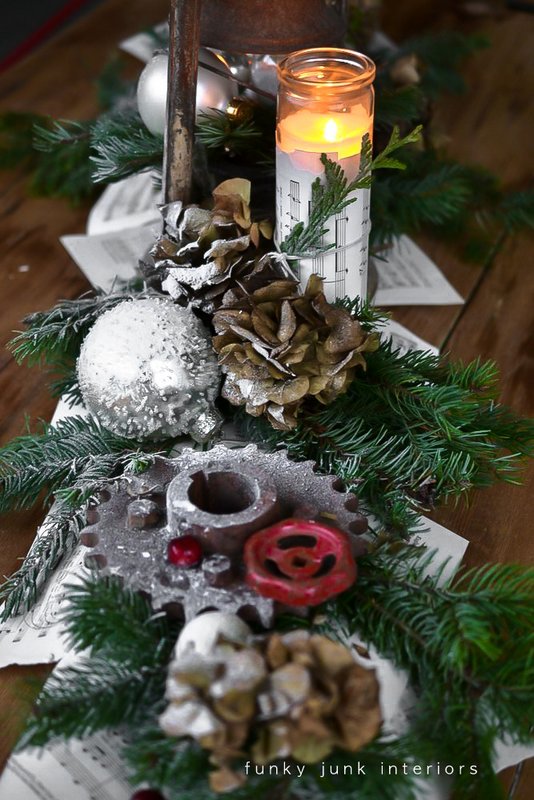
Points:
x=299, y=562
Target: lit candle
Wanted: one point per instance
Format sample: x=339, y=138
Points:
x=325, y=105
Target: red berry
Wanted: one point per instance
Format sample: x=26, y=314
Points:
x=185, y=551
x=147, y=794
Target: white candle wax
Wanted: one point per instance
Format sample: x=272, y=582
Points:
x=301, y=139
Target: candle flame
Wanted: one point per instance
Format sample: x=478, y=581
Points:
x=330, y=130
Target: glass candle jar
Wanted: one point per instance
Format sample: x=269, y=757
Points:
x=325, y=105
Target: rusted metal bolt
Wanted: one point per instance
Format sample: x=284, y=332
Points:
x=217, y=570
x=143, y=514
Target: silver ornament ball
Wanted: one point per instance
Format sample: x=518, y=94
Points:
x=147, y=370
x=213, y=91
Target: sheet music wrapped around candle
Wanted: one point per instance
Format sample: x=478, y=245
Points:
x=325, y=105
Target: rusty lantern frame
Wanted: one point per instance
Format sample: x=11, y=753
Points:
x=187, y=30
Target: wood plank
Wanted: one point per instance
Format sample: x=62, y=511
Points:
x=59, y=79
x=483, y=127
x=498, y=521
x=488, y=126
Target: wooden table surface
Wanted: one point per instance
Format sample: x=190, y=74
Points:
x=488, y=126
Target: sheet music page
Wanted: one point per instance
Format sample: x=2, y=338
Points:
x=143, y=45
x=410, y=277
x=91, y=769
x=405, y=340
x=107, y=256
x=130, y=203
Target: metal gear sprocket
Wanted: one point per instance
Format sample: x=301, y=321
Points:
x=137, y=517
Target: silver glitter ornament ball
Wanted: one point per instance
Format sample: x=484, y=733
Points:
x=147, y=370
x=213, y=91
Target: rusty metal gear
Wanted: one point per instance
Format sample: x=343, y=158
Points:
x=221, y=496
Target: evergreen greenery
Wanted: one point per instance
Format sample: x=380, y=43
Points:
x=410, y=432
x=55, y=335
x=464, y=204
x=67, y=462
x=465, y=643
x=122, y=146
x=440, y=55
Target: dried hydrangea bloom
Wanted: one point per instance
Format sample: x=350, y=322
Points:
x=295, y=695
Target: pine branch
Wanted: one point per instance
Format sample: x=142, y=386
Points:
x=93, y=695
x=369, y=316
x=122, y=683
x=216, y=131
x=110, y=620
x=112, y=88
x=55, y=336
x=396, y=105
x=63, y=168
x=466, y=645
x=440, y=55
x=59, y=534
x=16, y=138
x=464, y=204
x=515, y=211
x=65, y=384
x=56, y=540
x=409, y=432
x=53, y=458
x=122, y=145
x=123, y=680
x=474, y=629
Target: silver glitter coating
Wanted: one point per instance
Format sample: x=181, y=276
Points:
x=147, y=370
x=139, y=556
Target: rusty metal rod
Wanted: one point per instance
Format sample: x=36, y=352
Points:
x=184, y=42
x=243, y=84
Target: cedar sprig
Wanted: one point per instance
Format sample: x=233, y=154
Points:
x=332, y=194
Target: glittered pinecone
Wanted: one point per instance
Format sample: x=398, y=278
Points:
x=278, y=347
x=296, y=695
x=202, y=252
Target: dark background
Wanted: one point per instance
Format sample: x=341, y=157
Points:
x=26, y=23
